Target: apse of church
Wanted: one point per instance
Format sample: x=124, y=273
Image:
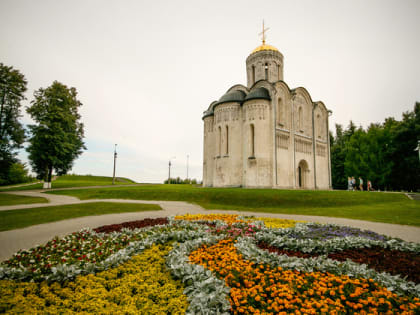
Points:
x=266, y=134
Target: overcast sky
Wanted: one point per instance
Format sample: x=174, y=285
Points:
x=146, y=70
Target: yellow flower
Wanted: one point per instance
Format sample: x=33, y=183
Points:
x=141, y=285
x=227, y=218
x=276, y=223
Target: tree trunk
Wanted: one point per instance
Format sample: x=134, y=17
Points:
x=46, y=174
x=49, y=173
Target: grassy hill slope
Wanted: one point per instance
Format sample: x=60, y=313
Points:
x=372, y=206
x=9, y=200
x=16, y=219
x=68, y=181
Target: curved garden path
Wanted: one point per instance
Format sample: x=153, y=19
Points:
x=12, y=241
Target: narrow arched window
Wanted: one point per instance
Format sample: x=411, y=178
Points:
x=278, y=73
x=300, y=119
x=252, y=140
x=227, y=141
x=266, y=71
x=220, y=141
x=253, y=74
x=280, y=109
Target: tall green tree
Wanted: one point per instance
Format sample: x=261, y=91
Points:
x=338, y=156
x=376, y=157
x=356, y=149
x=57, y=138
x=339, y=152
x=12, y=134
x=405, y=173
x=384, y=153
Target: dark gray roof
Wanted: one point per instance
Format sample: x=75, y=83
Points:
x=234, y=96
x=259, y=93
x=238, y=96
x=210, y=110
x=207, y=114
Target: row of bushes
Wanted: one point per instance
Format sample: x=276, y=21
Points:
x=17, y=174
x=178, y=180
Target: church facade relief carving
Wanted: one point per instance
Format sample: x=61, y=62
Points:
x=303, y=146
x=283, y=141
x=255, y=112
x=266, y=134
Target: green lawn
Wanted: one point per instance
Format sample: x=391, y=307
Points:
x=8, y=200
x=371, y=206
x=68, y=181
x=15, y=219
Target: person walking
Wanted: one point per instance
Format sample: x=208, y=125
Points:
x=349, y=185
x=369, y=186
x=361, y=184
x=353, y=183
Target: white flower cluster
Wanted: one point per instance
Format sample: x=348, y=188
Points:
x=206, y=293
x=278, y=238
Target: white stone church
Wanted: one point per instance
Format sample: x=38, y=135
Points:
x=266, y=134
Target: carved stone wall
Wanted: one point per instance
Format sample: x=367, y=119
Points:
x=255, y=112
x=226, y=113
x=257, y=165
x=303, y=146
x=283, y=140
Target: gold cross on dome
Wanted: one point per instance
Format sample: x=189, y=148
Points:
x=263, y=33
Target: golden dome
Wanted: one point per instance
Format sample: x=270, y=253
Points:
x=264, y=47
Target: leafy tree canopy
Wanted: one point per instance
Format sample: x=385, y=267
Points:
x=57, y=138
x=12, y=134
x=383, y=154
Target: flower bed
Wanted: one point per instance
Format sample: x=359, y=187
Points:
x=264, y=288
x=394, y=262
x=141, y=285
x=328, y=231
x=222, y=265
x=131, y=225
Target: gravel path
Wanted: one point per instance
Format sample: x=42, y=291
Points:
x=20, y=185
x=12, y=241
x=53, y=200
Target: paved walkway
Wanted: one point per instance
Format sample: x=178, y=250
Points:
x=413, y=196
x=19, y=185
x=12, y=241
x=53, y=200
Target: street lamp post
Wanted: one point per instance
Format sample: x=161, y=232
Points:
x=115, y=162
x=169, y=175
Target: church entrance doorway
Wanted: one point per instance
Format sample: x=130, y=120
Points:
x=302, y=171
x=300, y=176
